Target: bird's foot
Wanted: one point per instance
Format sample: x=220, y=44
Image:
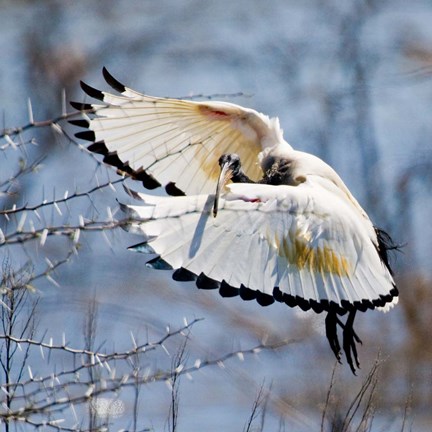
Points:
x=331, y=333
x=350, y=339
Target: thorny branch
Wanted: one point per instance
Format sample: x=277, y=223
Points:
x=9, y=133
x=56, y=202
x=61, y=230
x=99, y=356
x=55, y=393
x=361, y=410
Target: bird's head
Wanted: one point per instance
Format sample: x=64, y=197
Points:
x=230, y=168
x=232, y=163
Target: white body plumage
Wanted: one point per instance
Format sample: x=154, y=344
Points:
x=305, y=242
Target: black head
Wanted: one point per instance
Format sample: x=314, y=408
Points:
x=232, y=161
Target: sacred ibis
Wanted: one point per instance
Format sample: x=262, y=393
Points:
x=245, y=213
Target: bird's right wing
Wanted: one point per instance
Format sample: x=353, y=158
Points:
x=171, y=142
x=300, y=245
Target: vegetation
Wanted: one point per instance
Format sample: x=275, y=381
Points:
x=91, y=340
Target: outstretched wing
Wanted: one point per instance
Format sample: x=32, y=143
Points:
x=299, y=245
x=164, y=141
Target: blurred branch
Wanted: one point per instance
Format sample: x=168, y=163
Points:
x=56, y=202
x=7, y=134
x=359, y=415
x=99, y=356
x=20, y=236
x=23, y=169
x=258, y=410
x=329, y=392
x=178, y=364
x=12, y=307
x=56, y=393
x=55, y=124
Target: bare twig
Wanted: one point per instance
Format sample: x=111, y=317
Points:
x=56, y=202
x=258, y=409
x=329, y=391
x=52, y=395
x=178, y=365
x=21, y=236
x=54, y=123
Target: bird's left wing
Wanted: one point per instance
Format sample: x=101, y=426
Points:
x=300, y=245
x=172, y=142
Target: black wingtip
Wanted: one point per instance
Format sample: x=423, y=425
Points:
x=91, y=91
x=147, y=180
x=81, y=106
x=86, y=135
x=80, y=123
x=204, y=282
x=264, y=299
x=247, y=294
x=98, y=147
x=226, y=290
x=173, y=190
x=158, y=264
x=116, y=85
x=142, y=247
x=184, y=275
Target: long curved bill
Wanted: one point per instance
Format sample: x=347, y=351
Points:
x=224, y=176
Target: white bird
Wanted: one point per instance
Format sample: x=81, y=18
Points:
x=286, y=229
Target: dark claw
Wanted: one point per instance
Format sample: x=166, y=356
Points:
x=331, y=333
x=349, y=342
x=350, y=338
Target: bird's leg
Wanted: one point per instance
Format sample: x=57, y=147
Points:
x=331, y=322
x=349, y=342
x=350, y=338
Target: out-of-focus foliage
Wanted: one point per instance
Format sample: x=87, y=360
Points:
x=351, y=82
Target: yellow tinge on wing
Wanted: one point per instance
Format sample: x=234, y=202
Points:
x=298, y=252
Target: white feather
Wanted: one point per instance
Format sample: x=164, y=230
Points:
x=264, y=236
x=310, y=237
x=181, y=141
